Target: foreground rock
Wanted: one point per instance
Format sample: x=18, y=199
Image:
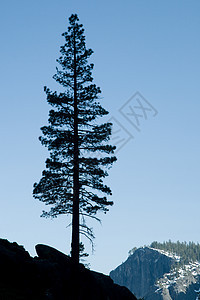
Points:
x=50, y=276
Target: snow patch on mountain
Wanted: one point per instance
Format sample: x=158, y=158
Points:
x=168, y=254
x=179, y=278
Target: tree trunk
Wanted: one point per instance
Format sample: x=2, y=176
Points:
x=75, y=218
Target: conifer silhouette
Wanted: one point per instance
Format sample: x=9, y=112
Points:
x=72, y=182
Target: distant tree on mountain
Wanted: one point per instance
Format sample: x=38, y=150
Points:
x=188, y=252
x=132, y=251
x=72, y=182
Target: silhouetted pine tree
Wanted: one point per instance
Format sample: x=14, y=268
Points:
x=73, y=179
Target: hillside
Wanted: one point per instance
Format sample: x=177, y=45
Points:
x=161, y=271
x=51, y=276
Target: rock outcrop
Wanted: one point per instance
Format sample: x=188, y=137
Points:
x=141, y=270
x=50, y=275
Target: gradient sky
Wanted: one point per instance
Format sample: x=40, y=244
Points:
x=150, y=47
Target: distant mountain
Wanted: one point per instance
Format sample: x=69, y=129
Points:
x=161, y=271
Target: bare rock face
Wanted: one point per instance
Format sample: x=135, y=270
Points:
x=51, y=276
x=166, y=295
x=141, y=270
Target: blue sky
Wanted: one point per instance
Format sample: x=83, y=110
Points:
x=147, y=46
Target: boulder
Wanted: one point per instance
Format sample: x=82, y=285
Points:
x=92, y=285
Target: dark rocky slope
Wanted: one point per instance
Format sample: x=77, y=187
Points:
x=49, y=276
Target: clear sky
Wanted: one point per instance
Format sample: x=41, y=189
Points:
x=150, y=47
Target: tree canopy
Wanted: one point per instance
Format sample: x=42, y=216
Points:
x=72, y=182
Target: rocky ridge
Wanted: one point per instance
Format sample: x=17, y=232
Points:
x=49, y=276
